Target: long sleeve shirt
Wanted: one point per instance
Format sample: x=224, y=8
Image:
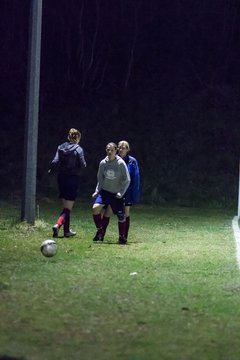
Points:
x=132, y=194
x=113, y=176
x=69, y=158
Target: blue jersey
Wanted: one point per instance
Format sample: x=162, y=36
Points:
x=132, y=194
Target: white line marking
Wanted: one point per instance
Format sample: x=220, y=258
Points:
x=236, y=232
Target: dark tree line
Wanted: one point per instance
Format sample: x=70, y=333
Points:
x=164, y=75
x=101, y=45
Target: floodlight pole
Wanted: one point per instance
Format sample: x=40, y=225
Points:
x=32, y=107
x=239, y=190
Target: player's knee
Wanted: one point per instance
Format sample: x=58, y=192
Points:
x=96, y=209
x=121, y=216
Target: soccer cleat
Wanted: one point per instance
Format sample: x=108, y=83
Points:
x=70, y=233
x=55, y=229
x=99, y=236
x=122, y=240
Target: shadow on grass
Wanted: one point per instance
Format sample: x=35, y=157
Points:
x=114, y=243
x=5, y=357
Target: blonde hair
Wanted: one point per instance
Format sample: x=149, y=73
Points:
x=74, y=136
x=124, y=143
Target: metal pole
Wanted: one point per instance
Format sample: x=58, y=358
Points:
x=32, y=108
x=239, y=189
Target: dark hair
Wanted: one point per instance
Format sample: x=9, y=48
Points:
x=112, y=144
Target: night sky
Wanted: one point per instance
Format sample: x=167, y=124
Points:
x=163, y=75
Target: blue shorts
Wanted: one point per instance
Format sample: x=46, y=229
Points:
x=68, y=186
x=106, y=198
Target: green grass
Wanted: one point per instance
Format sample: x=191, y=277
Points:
x=85, y=303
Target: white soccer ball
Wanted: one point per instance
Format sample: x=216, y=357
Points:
x=48, y=248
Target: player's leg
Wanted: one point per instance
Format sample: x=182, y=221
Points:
x=106, y=218
x=68, y=186
x=127, y=215
x=68, y=205
x=71, y=190
x=97, y=217
x=118, y=209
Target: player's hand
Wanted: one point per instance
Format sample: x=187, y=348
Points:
x=94, y=195
x=118, y=195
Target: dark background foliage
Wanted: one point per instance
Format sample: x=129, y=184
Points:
x=162, y=75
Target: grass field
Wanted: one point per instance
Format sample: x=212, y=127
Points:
x=172, y=293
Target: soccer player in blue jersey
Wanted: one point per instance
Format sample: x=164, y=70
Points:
x=113, y=181
x=68, y=160
x=132, y=194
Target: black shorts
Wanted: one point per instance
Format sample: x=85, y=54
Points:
x=127, y=203
x=106, y=198
x=68, y=186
